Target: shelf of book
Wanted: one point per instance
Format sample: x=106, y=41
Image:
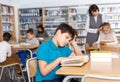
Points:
x=111, y=15
x=54, y=16
x=29, y=18
x=77, y=19
x=7, y=21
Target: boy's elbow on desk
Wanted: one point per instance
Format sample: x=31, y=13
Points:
x=43, y=73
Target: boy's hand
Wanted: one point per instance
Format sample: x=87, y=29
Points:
x=73, y=41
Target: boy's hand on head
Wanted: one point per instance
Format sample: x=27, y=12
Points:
x=73, y=41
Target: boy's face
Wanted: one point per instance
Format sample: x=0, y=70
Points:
x=106, y=29
x=63, y=38
x=30, y=36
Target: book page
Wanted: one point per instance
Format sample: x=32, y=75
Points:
x=75, y=61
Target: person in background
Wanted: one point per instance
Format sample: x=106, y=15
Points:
x=93, y=24
x=41, y=32
x=106, y=34
x=5, y=47
x=51, y=53
x=31, y=39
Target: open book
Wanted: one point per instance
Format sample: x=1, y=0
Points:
x=106, y=41
x=75, y=61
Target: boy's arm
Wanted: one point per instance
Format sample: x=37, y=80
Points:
x=46, y=68
x=77, y=51
x=9, y=52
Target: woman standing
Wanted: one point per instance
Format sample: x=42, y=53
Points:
x=93, y=24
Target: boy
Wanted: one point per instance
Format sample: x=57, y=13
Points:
x=31, y=37
x=5, y=48
x=33, y=41
x=52, y=52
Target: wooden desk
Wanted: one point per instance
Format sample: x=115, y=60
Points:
x=42, y=39
x=90, y=48
x=113, y=48
x=25, y=47
x=104, y=69
x=22, y=47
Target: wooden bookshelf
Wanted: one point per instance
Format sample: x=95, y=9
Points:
x=7, y=21
x=54, y=16
x=29, y=18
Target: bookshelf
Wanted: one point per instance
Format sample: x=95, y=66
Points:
x=51, y=17
x=7, y=21
x=54, y=16
x=29, y=18
x=111, y=14
x=77, y=19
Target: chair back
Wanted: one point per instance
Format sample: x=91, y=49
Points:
x=31, y=66
x=96, y=78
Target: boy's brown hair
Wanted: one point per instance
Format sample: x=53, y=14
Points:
x=30, y=30
x=6, y=36
x=65, y=28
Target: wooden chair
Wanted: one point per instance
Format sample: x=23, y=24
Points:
x=31, y=66
x=96, y=78
x=12, y=73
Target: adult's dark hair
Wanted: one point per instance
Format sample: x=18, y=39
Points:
x=65, y=28
x=30, y=30
x=41, y=27
x=6, y=36
x=93, y=8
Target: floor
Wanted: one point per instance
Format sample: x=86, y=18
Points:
x=6, y=78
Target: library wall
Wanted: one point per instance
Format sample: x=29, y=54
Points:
x=51, y=3
x=7, y=2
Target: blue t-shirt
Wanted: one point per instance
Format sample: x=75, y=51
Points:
x=49, y=52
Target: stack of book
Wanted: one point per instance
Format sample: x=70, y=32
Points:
x=101, y=56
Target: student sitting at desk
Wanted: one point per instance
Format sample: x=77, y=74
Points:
x=33, y=41
x=51, y=53
x=106, y=34
x=42, y=33
x=31, y=37
x=5, y=48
